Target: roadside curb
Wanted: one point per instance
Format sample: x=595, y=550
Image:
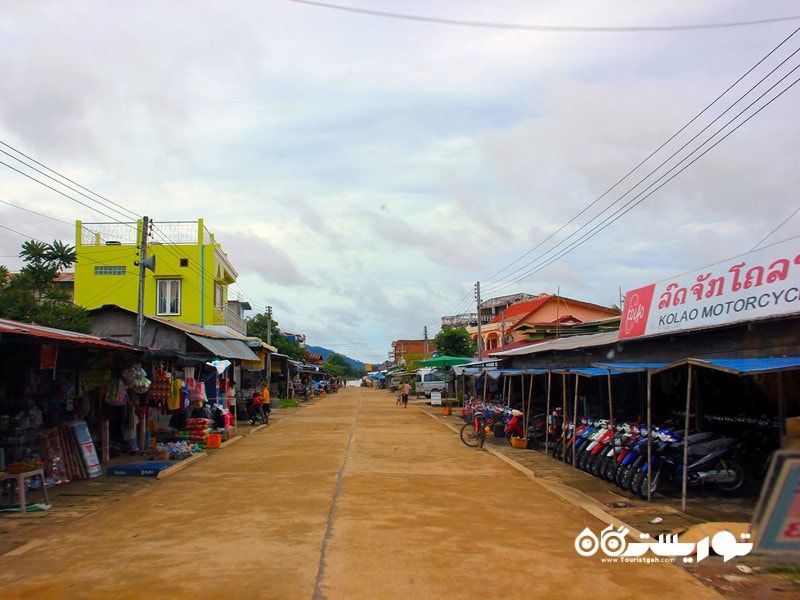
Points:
x=179, y=466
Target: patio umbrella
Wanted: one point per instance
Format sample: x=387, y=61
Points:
x=445, y=361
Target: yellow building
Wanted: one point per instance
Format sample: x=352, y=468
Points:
x=190, y=281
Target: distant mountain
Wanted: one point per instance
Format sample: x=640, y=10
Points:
x=324, y=352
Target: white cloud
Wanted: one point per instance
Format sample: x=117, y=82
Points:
x=362, y=173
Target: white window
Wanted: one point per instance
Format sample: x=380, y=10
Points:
x=219, y=297
x=169, y=297
x=109, y=270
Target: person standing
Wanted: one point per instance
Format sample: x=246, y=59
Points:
x=406, y=391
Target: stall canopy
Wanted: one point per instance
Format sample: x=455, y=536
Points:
x=225, y=347
x=631, y=367
x=740, y=366
x=445, y=361
x=588, y=371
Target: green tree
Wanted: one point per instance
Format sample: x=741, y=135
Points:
x=454, y=341
x=33, y=296
x=336, y=364
x=257, y=327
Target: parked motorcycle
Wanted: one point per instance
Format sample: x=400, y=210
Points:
x=710, y=461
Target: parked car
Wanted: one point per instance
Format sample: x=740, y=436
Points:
x=429, y=380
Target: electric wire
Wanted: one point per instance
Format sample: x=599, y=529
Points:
x=543, y=28
x=488, y=281
x=771, y=233
x=490, y=285
x=648, y=191
x=69, y=187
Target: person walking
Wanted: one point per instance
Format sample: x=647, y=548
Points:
x=406, y=389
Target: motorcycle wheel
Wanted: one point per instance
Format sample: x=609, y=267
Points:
x=610, y=469
x=581, y=460
x=622, y=472
x=630, y=471
x=636, y=481
x=735, y=485
x=469, y=436
x=557, y=448
x=596, y=464
x=641, y=490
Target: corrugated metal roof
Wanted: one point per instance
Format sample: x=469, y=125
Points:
x=29, y=329
x=566, y=343
x=225, y=348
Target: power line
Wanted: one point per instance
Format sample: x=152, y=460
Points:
x=119, y=206
x=643, y=196
x=544, y=28
x=488, y=280
x=36, y=213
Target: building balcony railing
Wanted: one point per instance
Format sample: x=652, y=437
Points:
x=168, y=233
x=465, y=320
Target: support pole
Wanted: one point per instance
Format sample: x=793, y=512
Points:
x=684, y=487
x=649, y=437
x=575, y=417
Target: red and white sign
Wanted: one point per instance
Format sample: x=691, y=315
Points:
x=764, y=283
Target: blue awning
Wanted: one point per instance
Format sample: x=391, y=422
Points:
x=631, y=367
x=741, y=366
x=586, y=371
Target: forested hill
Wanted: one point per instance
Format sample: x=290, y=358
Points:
x=324, y=352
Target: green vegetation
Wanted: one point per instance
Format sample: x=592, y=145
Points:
x=288, y=403
x=454, y=341
x=257, y=327
x=33, y=295
x=337, y=365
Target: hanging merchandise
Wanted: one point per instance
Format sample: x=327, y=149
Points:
x=116, y=394
x=174, y=400
x=197, y=396
x=135, y=378
x=160, y=388
x=188, y=377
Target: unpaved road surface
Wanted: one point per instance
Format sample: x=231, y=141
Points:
x=349, y=497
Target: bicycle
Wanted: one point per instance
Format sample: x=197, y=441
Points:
x=473, y=433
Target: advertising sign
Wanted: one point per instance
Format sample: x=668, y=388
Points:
x=436, y=398
x=776, y=521
x=764, y=283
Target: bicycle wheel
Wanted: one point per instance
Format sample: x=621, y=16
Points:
x=469, y=436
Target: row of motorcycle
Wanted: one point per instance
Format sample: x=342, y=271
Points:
x=731, y=455
x=620, y=453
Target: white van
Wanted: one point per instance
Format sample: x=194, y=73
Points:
x=429, y=380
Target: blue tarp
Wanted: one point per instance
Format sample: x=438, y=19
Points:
x=497, y=373
x=737, y=366
x=586, y=371
x=745, y=366
x=631, y=367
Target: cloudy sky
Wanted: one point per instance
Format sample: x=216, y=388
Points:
x=364, y=170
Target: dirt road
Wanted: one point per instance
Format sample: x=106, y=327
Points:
x=349, y=497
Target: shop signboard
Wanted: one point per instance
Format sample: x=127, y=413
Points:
x=47, y=356
x=87, y=450
x=776, y=521
x=436, y=398
x=763, y=283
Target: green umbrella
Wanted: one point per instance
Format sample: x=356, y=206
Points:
x=445, y=361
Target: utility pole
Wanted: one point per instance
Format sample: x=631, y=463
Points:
x=480, y=336
x=425, y=330
x=142, y=262
x=269, y=352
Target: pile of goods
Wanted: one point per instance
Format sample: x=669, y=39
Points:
x=176, y=450
x=197, y=430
